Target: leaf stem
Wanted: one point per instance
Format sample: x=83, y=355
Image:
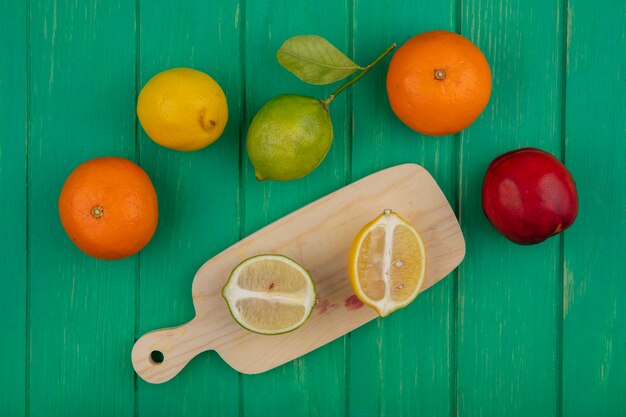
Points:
x=358, y=77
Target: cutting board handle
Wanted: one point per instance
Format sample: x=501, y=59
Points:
x=160, y=355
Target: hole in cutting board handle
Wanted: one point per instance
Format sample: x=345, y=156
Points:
x=156, y=357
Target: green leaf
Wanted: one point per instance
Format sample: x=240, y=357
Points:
x=314, y=60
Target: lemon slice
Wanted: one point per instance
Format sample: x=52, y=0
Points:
x=387, y=263
x=270, y=294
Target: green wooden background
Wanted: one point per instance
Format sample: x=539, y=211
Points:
x=514, y=331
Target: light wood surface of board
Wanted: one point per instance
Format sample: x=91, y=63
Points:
x=318, y=236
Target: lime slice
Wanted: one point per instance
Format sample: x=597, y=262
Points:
x=270, y=294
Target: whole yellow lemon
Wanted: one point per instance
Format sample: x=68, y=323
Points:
x=182, y=109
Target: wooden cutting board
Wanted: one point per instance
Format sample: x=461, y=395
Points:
x=319, y=237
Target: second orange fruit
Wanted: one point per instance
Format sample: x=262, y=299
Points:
x=108, y=207
x=438, y=83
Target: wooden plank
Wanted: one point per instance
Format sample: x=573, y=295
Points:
x=82, y=80
x=335, y=220
x=400, y=365
x=13, y=255
x=508, y=306
x=594, y=341
x=268, y=24
x=198, y=197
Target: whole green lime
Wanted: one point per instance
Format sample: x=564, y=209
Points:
x=289, y=137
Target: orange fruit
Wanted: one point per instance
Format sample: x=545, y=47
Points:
x=438, y=83
x=387, y=263
x=108, y=208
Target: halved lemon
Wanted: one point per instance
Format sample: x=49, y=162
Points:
x=270, y=294
x=387, y=263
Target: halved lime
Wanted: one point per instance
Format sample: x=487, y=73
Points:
x=270, y=294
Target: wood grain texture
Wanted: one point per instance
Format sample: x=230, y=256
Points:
x=319, y=237
x=198, y=196
x=13, y=226
x=408, y=354
x=267, y=25
x=509, y=295
x=594, y=310
x=81, y=93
